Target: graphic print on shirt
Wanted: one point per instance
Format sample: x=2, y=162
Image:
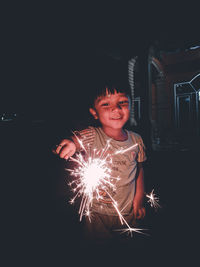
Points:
x=120, y=164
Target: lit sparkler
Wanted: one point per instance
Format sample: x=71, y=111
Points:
x=94, y=176
x=153, y=200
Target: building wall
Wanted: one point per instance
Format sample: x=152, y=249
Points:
x=180, y=66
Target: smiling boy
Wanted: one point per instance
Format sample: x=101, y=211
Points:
x=111, y=107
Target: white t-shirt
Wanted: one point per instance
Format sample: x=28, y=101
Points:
x=124, y=166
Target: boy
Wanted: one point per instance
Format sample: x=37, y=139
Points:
x=111, y=108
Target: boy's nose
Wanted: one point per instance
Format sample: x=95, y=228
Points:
x=116, y=107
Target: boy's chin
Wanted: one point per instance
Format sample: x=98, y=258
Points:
x=117, y=126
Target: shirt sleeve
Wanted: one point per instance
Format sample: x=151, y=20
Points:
x=141, y=153
x=86, y=138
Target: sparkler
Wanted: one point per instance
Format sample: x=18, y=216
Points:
x=153, y=200
x=94, y=176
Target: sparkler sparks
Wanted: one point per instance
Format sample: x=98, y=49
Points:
x=153, y=200
x=94, y=176
x=121, y=151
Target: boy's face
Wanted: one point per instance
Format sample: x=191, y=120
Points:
x=112, y=110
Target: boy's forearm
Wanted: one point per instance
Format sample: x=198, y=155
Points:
x=140, y=187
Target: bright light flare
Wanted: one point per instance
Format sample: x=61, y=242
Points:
x=94, y=176
x=121, y=151
x=90, y=180
x=153, y=200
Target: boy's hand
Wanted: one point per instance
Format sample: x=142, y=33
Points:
x=66, y=149
x=138, y=208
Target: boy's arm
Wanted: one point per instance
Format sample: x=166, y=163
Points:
x=66, y=148
x=76, y=142
x=138, y=207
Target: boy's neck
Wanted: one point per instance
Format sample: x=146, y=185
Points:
x=116, y=134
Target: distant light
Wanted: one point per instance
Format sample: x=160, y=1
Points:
x=194, y=47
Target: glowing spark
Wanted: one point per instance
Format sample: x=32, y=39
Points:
x=80, y=142
x=153, y=200
x=94, y=176
x=123, y=221
x=121, y=151
x=131, y=230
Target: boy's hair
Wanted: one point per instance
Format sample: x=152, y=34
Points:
x=102, y=89
x=106, y=88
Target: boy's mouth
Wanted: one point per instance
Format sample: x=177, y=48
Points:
x=116, y=118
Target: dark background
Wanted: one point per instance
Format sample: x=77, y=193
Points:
x=49, y=56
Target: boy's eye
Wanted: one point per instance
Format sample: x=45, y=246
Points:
x=123, y=102
x=105, y=104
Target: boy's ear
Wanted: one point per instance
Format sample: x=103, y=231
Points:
x=94, y=113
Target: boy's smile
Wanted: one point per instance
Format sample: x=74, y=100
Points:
x=112, y=110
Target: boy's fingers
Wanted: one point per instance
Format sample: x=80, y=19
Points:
x=58, y=148
x=135, y=212
x=64, y=151
x=68, y=155
x=140, y=213
x=61, y=145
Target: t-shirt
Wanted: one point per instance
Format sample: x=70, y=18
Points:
x=124, y=156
